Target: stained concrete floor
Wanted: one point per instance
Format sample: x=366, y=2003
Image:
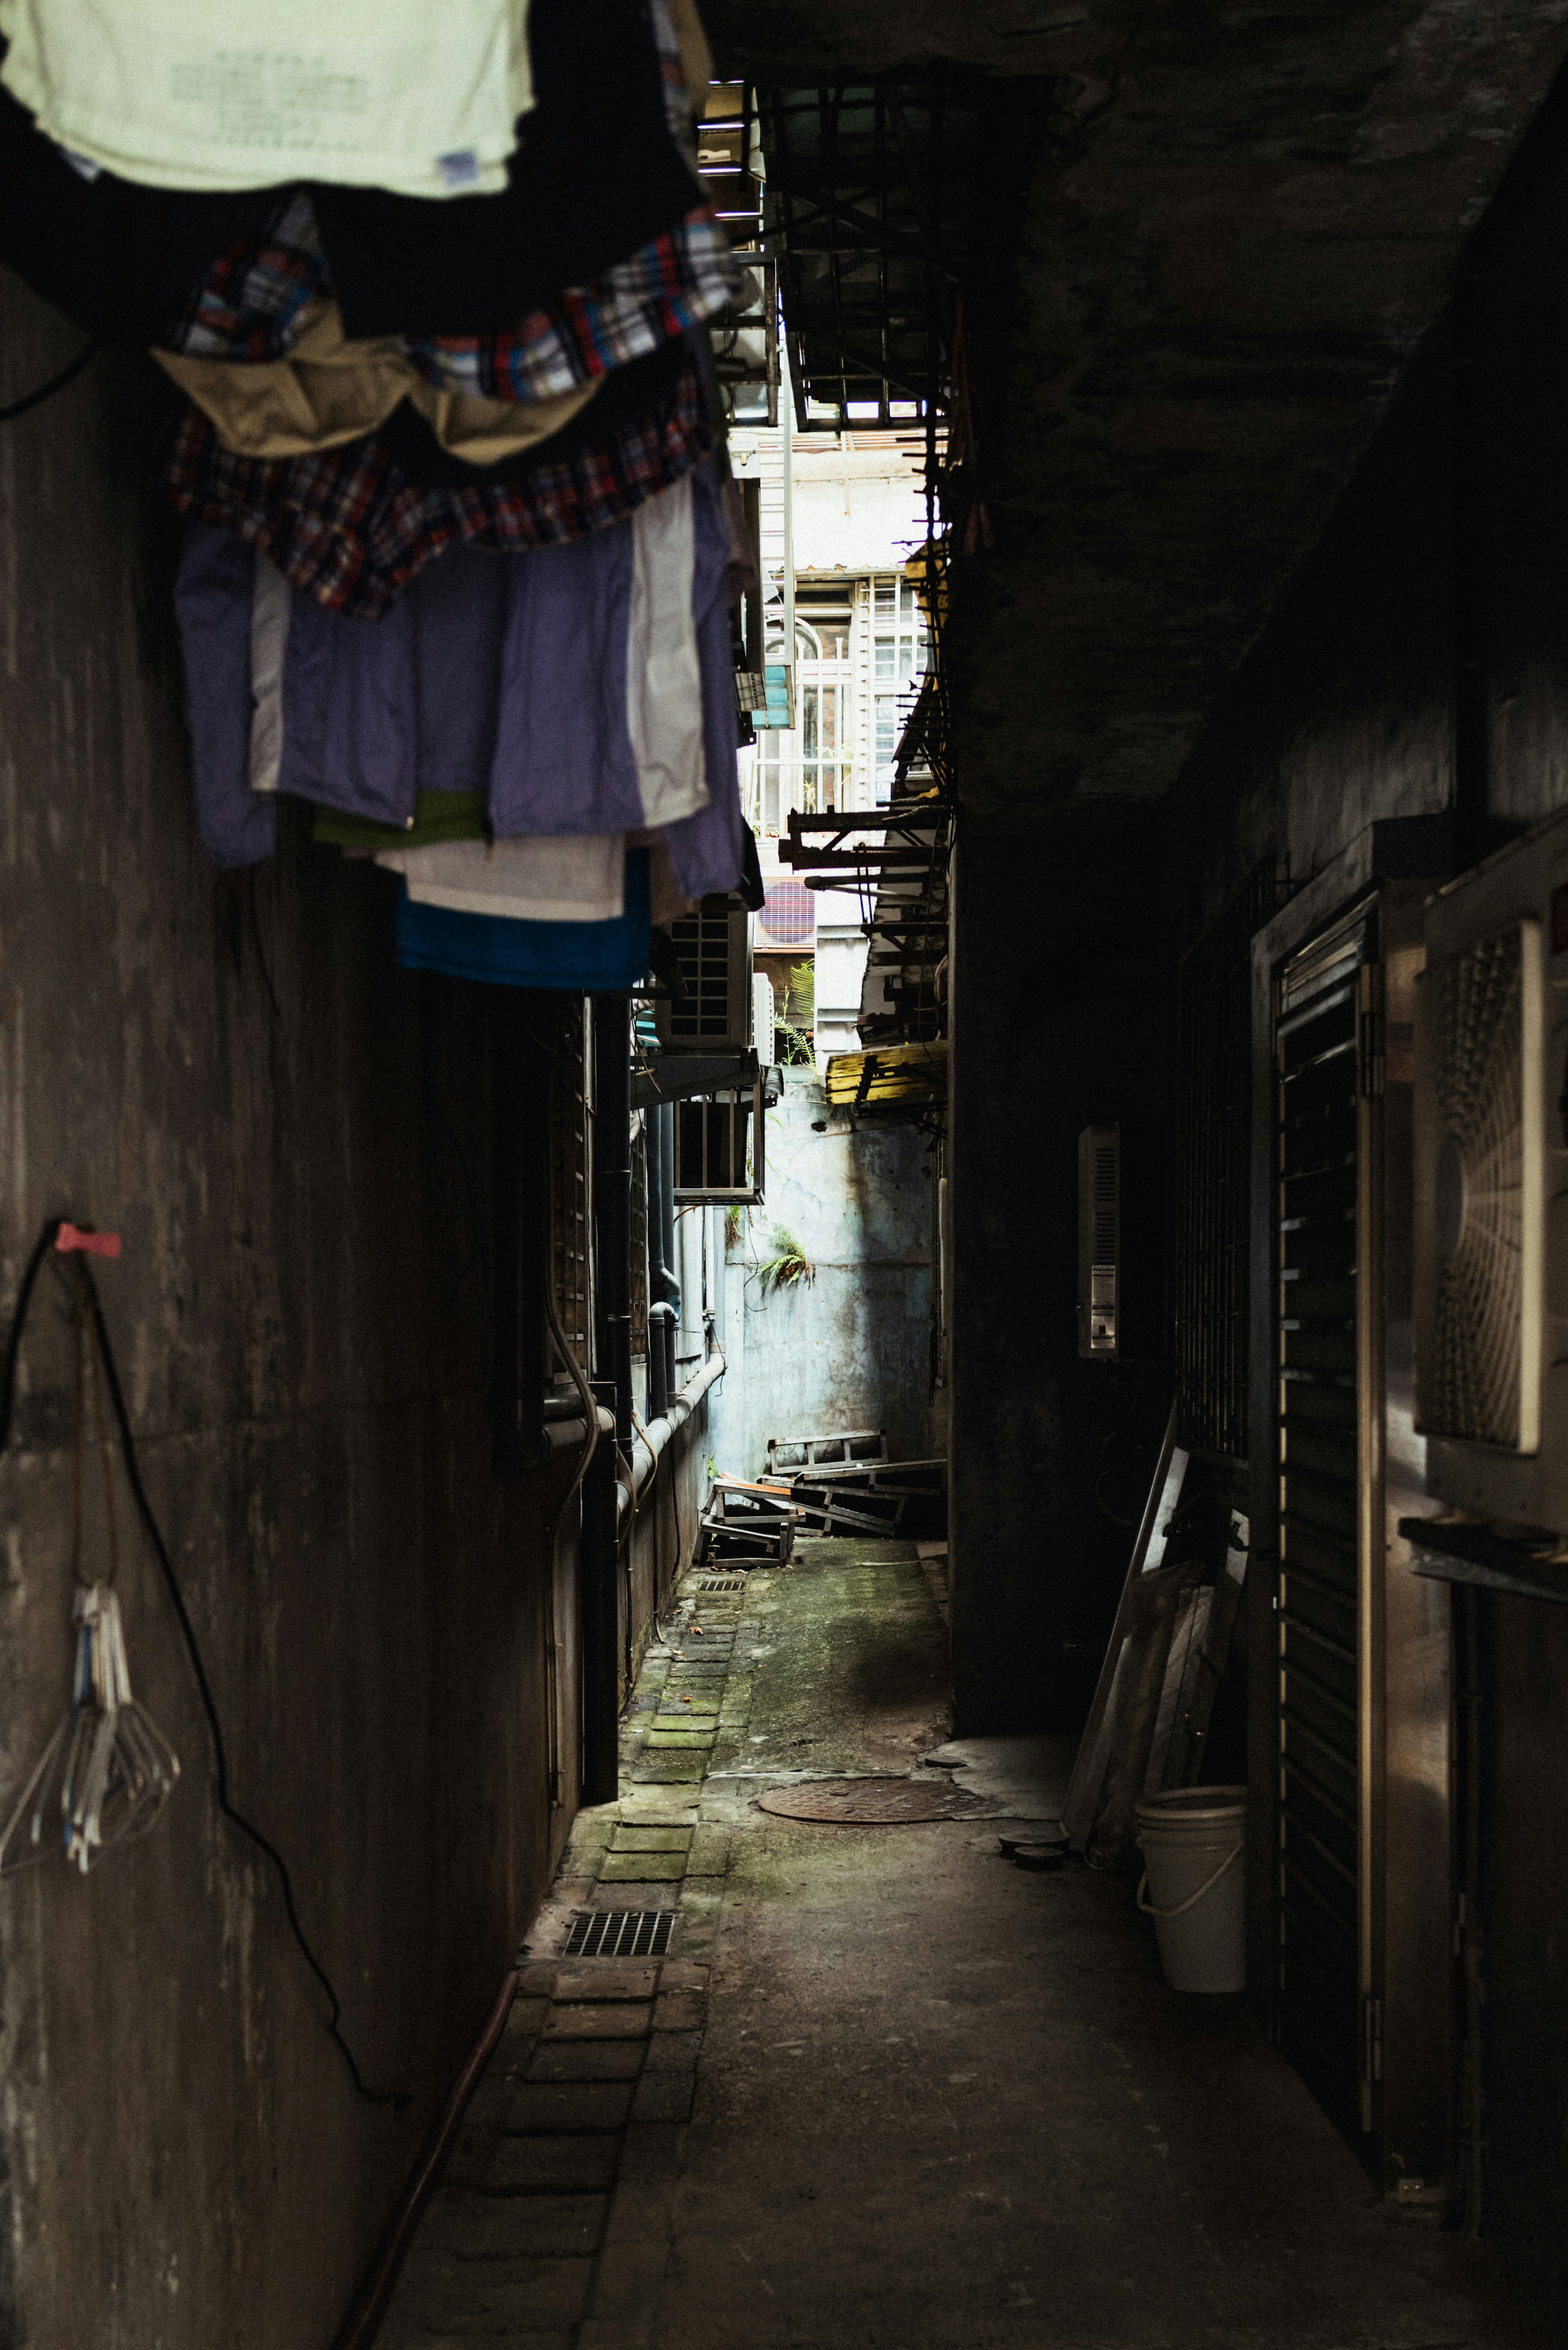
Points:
x=909, y=2098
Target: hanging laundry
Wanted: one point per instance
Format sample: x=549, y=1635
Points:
x=246, y=93
x=517, y=679
x=583, y=958
x=599, y=171
x=254, y=301
x=330, y=390
x=571, y=878
x=683, y=48
x=351, y=527
x=599, y=175
x=438, y=817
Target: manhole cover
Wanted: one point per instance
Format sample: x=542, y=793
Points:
x=868, y=1802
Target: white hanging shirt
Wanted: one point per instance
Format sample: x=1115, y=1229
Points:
x=578, y=877
x=213, y=94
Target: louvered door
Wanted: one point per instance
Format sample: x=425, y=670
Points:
x=1328, y=1316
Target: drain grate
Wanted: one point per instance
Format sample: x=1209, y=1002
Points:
x=619, y=1934
x=721, y=1583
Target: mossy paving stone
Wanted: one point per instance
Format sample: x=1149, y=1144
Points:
x=640, y=1867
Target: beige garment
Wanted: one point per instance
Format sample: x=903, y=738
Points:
x=368, y=93
x=696, y=56
x=330, y=390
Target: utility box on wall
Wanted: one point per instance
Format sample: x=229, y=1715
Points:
x=1121, y=1224
x=1099, y=1241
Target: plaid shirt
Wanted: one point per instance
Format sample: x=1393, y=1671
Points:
x=252, y=301
x=346, y=527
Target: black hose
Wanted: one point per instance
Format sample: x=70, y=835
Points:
x=41, y=1247
x=68, y=374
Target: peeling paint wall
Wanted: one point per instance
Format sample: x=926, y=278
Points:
x=851, y=1348
x=294, y=1139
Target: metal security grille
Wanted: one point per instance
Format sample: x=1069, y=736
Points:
x=569, y=1205
x=621, y=1934
x=719, y=1149
x=868, y=201
x=1213, y=1148
x=1321, y=1789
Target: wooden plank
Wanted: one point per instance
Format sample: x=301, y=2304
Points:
x=1148, y=1552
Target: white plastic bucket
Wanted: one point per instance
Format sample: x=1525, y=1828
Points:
x=1194, y=1884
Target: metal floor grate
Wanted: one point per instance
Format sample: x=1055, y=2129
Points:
x=721, y=1583
x=619, y=1934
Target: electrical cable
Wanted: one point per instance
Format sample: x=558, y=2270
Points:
x=68, y=374
x=396, y=2098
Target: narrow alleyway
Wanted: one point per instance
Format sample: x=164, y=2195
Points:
x=886, y=2089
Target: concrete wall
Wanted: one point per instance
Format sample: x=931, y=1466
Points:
x=851, y=1349
x=1416, y=667
x=1419, y=664
x=294, y=1141
x=1059, y=1021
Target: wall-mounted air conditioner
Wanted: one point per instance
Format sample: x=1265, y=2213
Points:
x=764, y=1019
x=714, y=946
x=1491, y=1188
x=1099, y=1241
x=708, y=1032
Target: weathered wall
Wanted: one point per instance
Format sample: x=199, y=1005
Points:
x=850, y=1349
x=294, y=1141
x=1239, y=223
x=1439, y=589
x=1059, y=1022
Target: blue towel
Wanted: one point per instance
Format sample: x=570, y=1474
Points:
x=584, y=958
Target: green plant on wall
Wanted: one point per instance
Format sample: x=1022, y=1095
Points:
x=797, y=1017
x=734, y=1229
x=789, y=1267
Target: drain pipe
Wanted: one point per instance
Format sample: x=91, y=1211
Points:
x=664, y=1310
x=642, y=1454
x=612, y=1195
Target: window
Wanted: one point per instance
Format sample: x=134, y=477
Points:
x=824, y=689
x=899, y=654
x=824, y=768
x=886, y=745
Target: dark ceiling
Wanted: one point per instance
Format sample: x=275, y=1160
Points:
x=1241, y=223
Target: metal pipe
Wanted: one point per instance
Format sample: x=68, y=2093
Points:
x=670, y=1291
x=660, y=1319
x=599, y=1619
x=642, y=1456
x=364, y=2320
x=786, y=448
x=612, y=1194
x=664, y=1289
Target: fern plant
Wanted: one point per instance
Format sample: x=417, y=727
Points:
x=789, y=1267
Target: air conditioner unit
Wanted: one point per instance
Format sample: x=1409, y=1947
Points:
x=764, y=1017
x=719, y=1147
x=1491, y=1188
x=714, y=946
x=1099, y=1241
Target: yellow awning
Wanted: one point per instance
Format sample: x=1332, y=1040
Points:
x=897, y=1073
